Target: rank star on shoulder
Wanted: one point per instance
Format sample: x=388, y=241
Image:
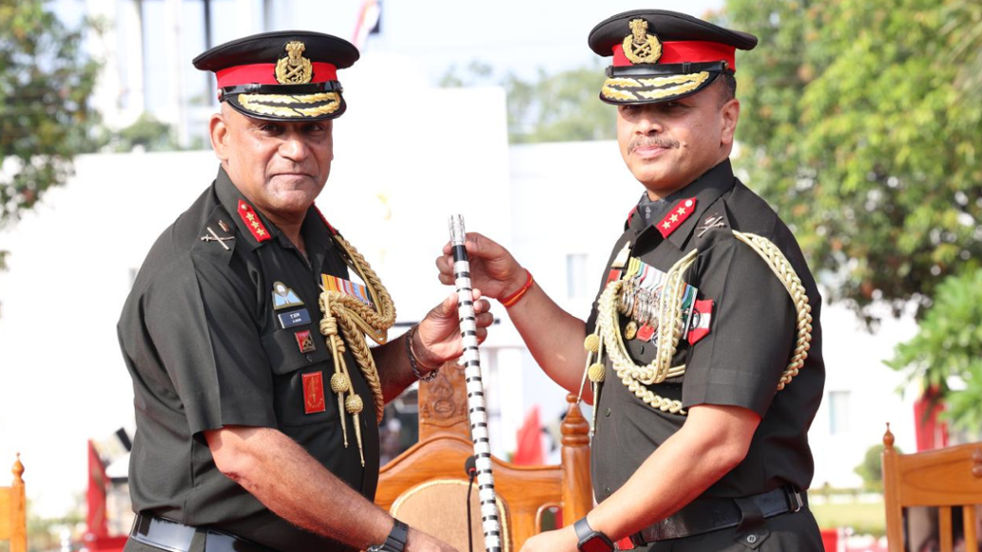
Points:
x=665, y=225
x=681, y=210
x=674, y=217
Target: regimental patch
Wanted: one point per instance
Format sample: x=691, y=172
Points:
x=313, y=393
x=293, y=318
x=698, y=325
x=252, y=222
x=676, y=216
x=346, y=287
x=284, y=297
x=305, y=342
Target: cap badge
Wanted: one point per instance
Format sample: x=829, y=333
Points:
x=294, y=69
x=639, y=46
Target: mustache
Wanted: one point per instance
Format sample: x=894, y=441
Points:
x=648, y=141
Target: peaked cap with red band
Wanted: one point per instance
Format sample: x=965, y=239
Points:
x=281, y=75
x=662, y=55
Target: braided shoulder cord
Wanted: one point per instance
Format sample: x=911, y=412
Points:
x=779, y=264
x=635, y=377
x=356, y=320
x=625, y=368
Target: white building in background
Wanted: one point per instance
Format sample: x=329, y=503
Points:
x=405, y=159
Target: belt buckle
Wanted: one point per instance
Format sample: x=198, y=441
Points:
x=795, y=502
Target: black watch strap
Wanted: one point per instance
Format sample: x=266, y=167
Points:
x=396, y=541
x=590, y=540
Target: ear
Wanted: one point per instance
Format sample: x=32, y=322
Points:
x=730, y=114
x=218, y=131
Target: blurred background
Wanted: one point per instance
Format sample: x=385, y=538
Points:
x=860, y=123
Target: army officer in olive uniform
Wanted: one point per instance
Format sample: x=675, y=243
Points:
x=257, y=398
x=703, y=350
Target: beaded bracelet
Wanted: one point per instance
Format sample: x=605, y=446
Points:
x=514, y=297
x=413, y=362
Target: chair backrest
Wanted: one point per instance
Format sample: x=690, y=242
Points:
x=426, y=486
x=13, y=511
x=945, y=478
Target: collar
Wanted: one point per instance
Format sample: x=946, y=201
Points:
x=258, y=230
x=254, y=228
x=693, y=200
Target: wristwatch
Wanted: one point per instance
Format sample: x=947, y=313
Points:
x=395, y=542
x=590, y=540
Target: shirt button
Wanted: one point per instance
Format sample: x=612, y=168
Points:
x=607, y=413
x=751, y=538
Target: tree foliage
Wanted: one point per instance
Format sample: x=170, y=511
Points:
x=871, y=468
x=45, y=81
x=146, y=133
x=949, y=343
x=860, y=120
x=559, y=107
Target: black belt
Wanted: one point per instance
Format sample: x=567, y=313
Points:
x=710, y=514
x=176, y=537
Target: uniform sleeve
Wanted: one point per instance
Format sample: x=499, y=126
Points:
x=199, y=319
x=739, y=363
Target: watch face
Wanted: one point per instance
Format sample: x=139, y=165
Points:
x=595, y=543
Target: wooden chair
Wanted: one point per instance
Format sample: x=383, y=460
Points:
x=13, y=511
x=426, y=486
x=947, y=477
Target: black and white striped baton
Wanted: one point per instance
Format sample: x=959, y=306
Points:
x=476, y=407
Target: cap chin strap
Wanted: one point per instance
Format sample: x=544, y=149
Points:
x=651, y=69
x=285, y=89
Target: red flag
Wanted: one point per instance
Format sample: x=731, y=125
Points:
x=930, y=432
x=528, y=451
x=95, y=497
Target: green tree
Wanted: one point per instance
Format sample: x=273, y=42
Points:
x=860, y=121
x=148, y=133
x=45, y=81
x=560, y=107
x=871, y=468
x=949, y=343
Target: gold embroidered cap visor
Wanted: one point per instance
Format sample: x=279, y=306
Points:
x=660, y=55
x=281, y=75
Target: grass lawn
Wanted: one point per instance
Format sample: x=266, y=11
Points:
x=864, y=517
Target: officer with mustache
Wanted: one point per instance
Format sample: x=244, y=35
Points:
x=703, y=349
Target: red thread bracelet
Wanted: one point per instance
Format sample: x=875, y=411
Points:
x=514, y=297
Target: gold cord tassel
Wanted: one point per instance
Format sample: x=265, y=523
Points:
x=356, y=320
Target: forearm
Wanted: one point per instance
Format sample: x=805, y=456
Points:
x=288, y=481
x=394, y=370
x=553, y=336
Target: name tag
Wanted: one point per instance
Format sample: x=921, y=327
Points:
x=293, y=318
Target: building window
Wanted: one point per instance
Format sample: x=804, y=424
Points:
x=838, y=412
x=576, y=285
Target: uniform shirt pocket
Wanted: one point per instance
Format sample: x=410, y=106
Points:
x=302, y=369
